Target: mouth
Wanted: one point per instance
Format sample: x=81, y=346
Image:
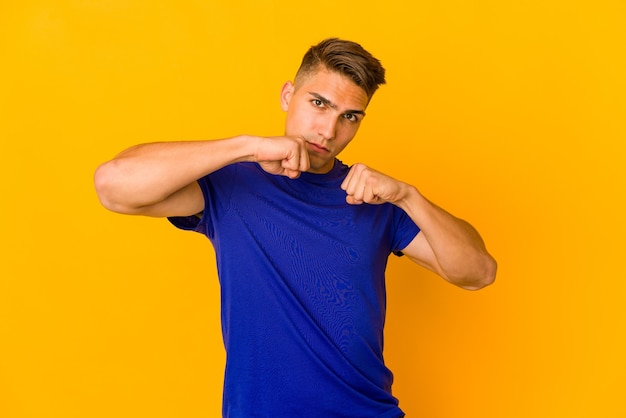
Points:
x=317, y=148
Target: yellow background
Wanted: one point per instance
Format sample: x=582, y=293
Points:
x=509, y=114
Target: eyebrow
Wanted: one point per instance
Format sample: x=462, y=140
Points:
x=333, y=105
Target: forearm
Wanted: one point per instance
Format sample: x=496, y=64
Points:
x=459, y=250
x=146, y=174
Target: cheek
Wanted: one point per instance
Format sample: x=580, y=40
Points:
x=341, y=143
x=346, y=132
x=291, y=125
x=297, y=120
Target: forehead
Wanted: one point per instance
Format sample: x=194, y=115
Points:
x=336, y=87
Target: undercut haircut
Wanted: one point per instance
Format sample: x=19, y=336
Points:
x=346, y=58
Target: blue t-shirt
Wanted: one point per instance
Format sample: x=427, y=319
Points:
x=302, y=277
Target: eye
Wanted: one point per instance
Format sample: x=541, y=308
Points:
x=317, y=102
x=351, y=117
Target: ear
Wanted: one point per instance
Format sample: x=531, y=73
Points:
x=285, y=95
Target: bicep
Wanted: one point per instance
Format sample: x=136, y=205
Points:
x=420, y=252
x=187, y=201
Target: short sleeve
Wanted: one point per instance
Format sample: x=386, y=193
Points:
x=405, y=230
x=194, y=222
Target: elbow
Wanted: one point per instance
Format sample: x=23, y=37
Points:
x=488, y=275
x=106, y=183
x=481, y=279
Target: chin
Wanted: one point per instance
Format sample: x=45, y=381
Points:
x=321, y=167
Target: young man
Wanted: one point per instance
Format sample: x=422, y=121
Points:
x=301, y=242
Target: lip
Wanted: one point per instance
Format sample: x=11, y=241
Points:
x=317, y=148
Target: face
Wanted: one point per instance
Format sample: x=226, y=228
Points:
x=326, y=109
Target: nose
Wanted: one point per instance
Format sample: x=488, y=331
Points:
x=327, y=126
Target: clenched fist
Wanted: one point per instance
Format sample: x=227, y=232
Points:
x=366, y=185
x=282, y=155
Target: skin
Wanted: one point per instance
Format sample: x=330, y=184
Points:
x=326, y=110
x=323, y=113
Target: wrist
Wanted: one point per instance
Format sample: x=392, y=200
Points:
x=409, y=196
x=244, y=148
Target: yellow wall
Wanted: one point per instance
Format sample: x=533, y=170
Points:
x=509, y=114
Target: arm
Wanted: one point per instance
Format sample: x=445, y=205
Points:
x=447, y=245
x=160, y=179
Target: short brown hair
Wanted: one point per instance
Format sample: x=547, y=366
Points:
x=347, y=58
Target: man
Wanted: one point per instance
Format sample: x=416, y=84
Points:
x=301, y=242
